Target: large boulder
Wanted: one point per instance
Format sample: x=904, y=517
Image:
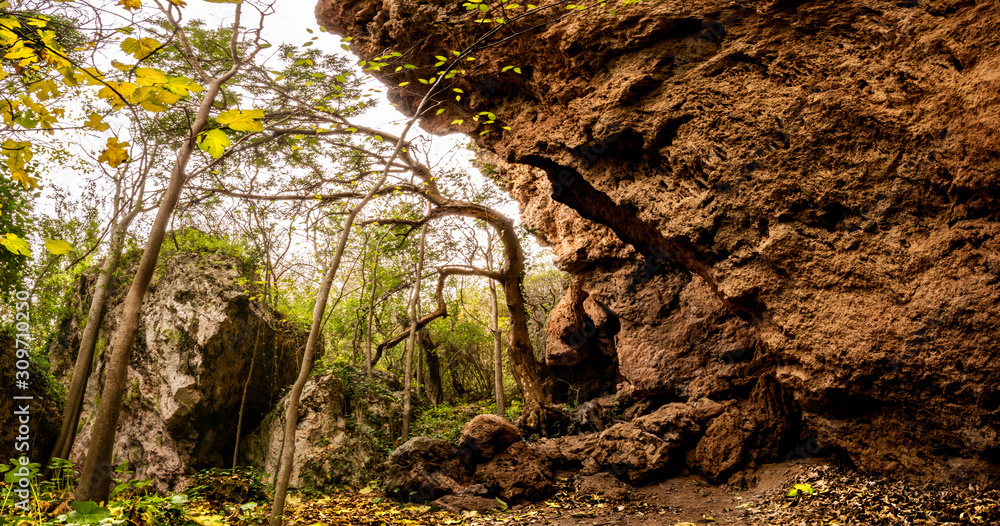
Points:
x=424, y=469
x=519, y=473
x=202, y=342
x=488, y=435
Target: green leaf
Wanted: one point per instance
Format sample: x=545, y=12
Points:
x=58, y=246
x=213, y=142
x=240, y=120
x=15, y=245
x=149, y=76
x=87, y=512
x=181, y=85
x=141, y=48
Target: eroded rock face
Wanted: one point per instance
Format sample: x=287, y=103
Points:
x=798, y=190
x=337, y=434
x=197, y=337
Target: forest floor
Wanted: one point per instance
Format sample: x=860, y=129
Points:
x=838, y=496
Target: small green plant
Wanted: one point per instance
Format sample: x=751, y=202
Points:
x=224, y=486
x=799, y=490
x=125, y=489
x=87, y=512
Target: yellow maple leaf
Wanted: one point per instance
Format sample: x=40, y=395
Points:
x=181, y=85
x=23, y=54
x=58, y=247
x=240, y=120
x=17, y=153
x=44, y=89
x=149, y=77
x=115, y=153
x=130, y=5
x=140, y=48
x=28, y=181
x=95, y=122
x=15, y=244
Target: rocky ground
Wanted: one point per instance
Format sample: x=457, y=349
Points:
x=839, y=496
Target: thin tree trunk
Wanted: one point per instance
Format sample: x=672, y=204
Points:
x=434, y=388
x=420, y=359
x=243, y=399
x=412, y=343
x=371, y=307
x=356, y=333
x=495, y=327
x=88, y=342
x=288, y=452
x=95, y=479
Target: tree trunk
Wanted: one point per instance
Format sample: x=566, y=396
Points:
x=95, y=479
x=434, y=388
x=412, y=343
x=371, y=308
x=243, y=399
x=356, y=333
x=292, y=414
x=420, y=359
x=527, y=371
x=497, y=348
x=88, y=342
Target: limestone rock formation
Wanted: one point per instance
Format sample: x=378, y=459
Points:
x=800, y=191
x=198, y=334
x=342, y=429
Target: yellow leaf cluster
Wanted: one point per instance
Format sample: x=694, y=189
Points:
x=17, y=155
x=140, y=48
